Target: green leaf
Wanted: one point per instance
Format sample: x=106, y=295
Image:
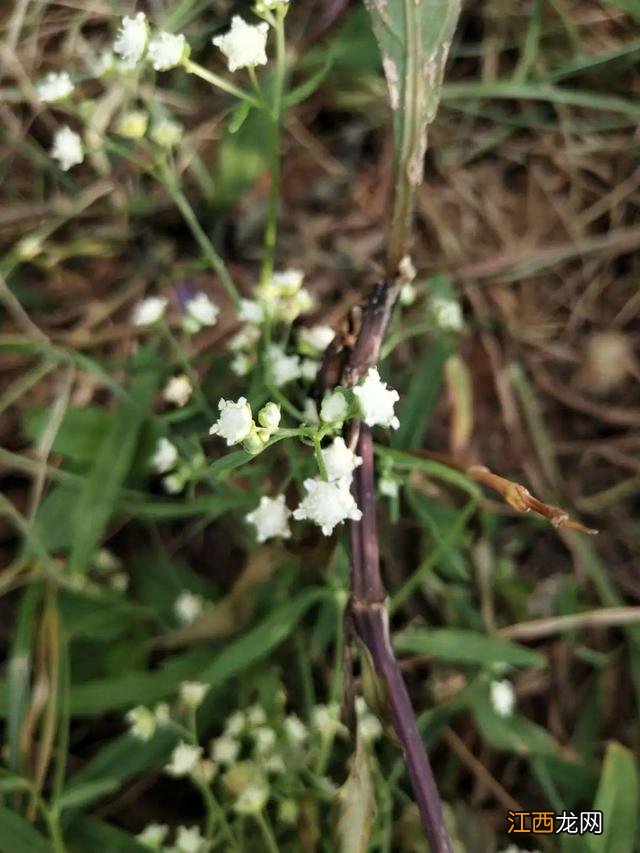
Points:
x=97, y=499
x=242, y=157
x=85, y=793
x=19, y=671
x=80, y=434
x=257, y=644
x=18, y=836
x=422, y=396
x=88, y=833
x=304, y=90
x=514, y=733
x=458, y=645
x=617, y=798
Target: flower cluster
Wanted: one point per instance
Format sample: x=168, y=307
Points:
x=236, y=425
x=166, y=459
x=133, y=42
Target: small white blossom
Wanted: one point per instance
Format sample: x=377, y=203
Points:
x=270, y=518
x=269, y=416
x=190, y=840
x=188, y=606
x=309, y=369
x=325, y=719
x=369, y=725
x=153, y=835
x=205, y=771
x=67, y=148
x=327, y=504
x=131, y=40
x=167, y=133
x=295, y=730
x=288, y=308
x=167, y=50
x=246, y=337
x=503, y=697
x=376, y=401
x=119, y=582
x=54, y=87
x=184, y=759
x=244, y=44
x=165, y=456
x=316, y=339
x=241, y=364
x=334, y=408
x=192, y=693
x=178, y=390
x=235, y=724
x=264, y=739
x=133, y=124
x=271, y=4
x=174, y=483
x=447, y=313
x=408, y=294
x=252, y=800
x=284, y=368
x=225, y=749
x=273, y=763
x=149, y=311
x=103, y=63
x=388, y=487
x=310, y=411
x=251, y=311
x=285, y=282
x=339, y=461
x=201, y=309
x=256, y=715
x=162, y=714
x=235, y=421
x=141, y=722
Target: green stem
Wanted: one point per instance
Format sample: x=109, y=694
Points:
x=317, y=449
x=271, y=225
x=220, y=82
x=336, y=685
x=205, y=244
x=267, y=832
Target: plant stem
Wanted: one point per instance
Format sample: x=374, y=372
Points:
x=269, y=837
x=220, y=82
x=205, y=244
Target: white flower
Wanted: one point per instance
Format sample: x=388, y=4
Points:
x=327, y=504
x=174, y=483
x=153, y=835
x=184, y=759
x=286, y=282
x=316, y=339
x=310, y=411
x=270, y=518
x=408, y=294
x=251, y=311
x=447, y=313
x=162, y=714
x=188, y=606
x=287, y=308
x=264, y=739
x=178, y=390
x=67, y=148
x=309, y=369
x=235, y=724
x=235, y=421
x=271, y=4
x=241, y=364
x=192, y=693
x=295, y=730
x=54, y=87
x=201, y=309
x=149, y=311
x=141, y=722
x=256, y=715
x=273, y=763
x=103, y=63
x=377, y=401
x=244, y=45
x=252, y=800
x=165, y=456
x=246, y=337
x=339, y=461
x=326, y=720
x=133, y=124
x=334, y=408
x=369, y=725
x=503, y=697
x=284, y=368
x=388, y=487
x=190, y=840
x=167, y=133
x=119, y=581
x=167, y=50
x=269, y=416
x=225, y=749
x=131, y=40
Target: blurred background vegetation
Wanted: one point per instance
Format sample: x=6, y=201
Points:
x=528, y=216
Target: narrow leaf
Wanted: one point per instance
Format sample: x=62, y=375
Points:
x=617, y=798
x=462, y=646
